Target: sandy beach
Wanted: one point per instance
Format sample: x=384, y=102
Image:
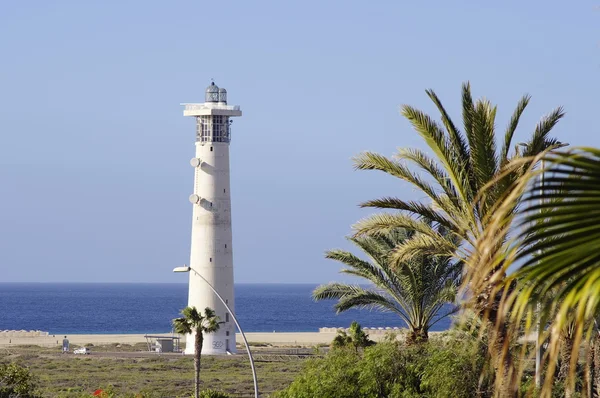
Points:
x=274, y=338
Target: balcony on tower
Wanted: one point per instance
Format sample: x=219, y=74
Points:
x=213, y=123
x=215, y=128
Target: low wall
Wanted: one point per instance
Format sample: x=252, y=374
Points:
x=22, y=333
x=369, y=330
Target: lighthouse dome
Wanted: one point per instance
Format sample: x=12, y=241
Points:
x=222, y=95
x=212, y=93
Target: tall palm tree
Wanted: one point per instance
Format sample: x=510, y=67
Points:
x=197, y=323
x=464, y=164
x=416, y=290
x=558, y=259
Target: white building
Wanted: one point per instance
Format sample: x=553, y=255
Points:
x=212, y=250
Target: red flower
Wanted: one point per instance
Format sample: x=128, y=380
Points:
x=97, y=393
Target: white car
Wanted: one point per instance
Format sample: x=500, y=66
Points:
x=82, y=351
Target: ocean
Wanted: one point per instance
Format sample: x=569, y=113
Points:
x=98, y=308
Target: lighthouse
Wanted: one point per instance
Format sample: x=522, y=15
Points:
x=212, y=250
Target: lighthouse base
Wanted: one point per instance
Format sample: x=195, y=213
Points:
x=212, y=345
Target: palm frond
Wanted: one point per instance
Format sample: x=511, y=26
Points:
x=570, y=225
x=354, y=296
x=456, y=139
x=483, y=144
x=415, y=208
x=539, y=140
x=468, y=111
x=383, y=223
x=367, y=299
x=358, y=267
x=557, y=256
x=182, y=326
x=427, y=164
x=436, y=140
x=423, y=245
x=512, y=127
x=195, y=321
x=374, y=161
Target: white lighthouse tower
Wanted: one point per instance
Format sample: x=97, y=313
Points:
x=211, y=251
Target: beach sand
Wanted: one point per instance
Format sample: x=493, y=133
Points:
x=274, y=338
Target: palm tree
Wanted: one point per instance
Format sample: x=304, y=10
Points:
x=416, y=290
x=464, y=164
x=194, y=322
x=558, y=258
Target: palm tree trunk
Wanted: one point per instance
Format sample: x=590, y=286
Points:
x=596, y=366
x=485, y=353
x=417, y=336
x=198, y=340
x=565, y=363
x=506, y=383
x=588, y=374
x=487, y=305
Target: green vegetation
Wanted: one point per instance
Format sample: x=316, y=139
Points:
x=16, y=381
x=141, y=375
x=194, y=321
x=416, y=289
x=487, y=210
x=213, y=394
x=557, y=251
x=440, y=368
x=355, y=337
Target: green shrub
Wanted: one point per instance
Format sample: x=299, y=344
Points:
x=213, y=394
x=335, y=376
x=388, y=369
x=391, y=369
x=16, y=381
x=457, y=368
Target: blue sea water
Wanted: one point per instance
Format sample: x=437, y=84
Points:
x=95, y=308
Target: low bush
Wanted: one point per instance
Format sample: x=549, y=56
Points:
x=335, y=376
x=213, y=394
x=391, y=369
x=457, y=368
x=16, y=381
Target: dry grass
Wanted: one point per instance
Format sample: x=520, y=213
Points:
x=130, y=371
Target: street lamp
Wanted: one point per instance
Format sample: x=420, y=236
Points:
x=538, y=345
x=185, y=268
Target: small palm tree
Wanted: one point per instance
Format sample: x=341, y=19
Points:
x=415, y=290
x=356, y=337
x=341, y=340
x=194, y=322
x=360, y=339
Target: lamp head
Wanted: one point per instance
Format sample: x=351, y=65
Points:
x=185, y=268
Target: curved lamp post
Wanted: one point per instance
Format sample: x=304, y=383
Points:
x=185, y=268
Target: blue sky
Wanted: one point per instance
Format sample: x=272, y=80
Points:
x=94, y=173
